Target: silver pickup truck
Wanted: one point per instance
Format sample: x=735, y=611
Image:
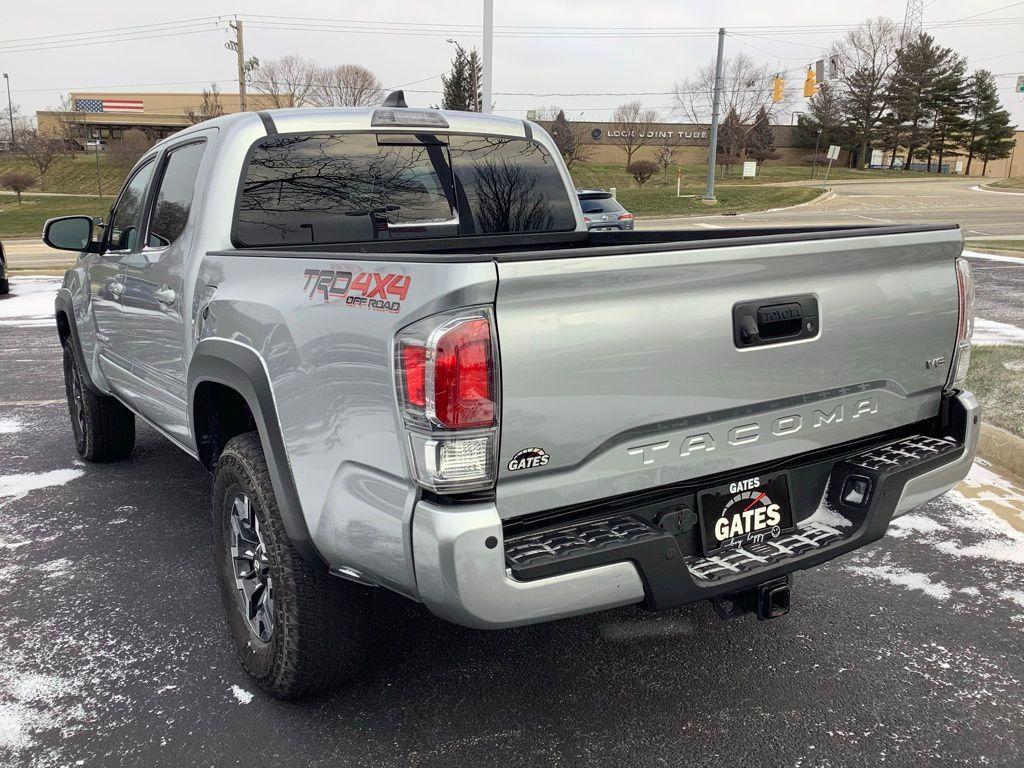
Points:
x=389, y=336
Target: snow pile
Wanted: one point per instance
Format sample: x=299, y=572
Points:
x=993, y=333
x=30, y=302
x=904, y=578
x=9, y=426
x=243, y=696
x=18, y=486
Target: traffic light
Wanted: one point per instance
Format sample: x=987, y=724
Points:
x=810, y=83
x=777, y=87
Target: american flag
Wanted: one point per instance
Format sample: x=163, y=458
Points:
x=108, y=105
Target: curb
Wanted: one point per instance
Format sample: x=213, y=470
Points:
x=996, y=190
x=825, y=195
x=1002, y=449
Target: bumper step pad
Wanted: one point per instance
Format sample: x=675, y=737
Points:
x=623, y=536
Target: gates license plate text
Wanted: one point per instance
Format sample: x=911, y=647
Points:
x=746, y=511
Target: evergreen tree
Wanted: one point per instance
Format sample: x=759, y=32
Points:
x=461, y=86
x=999, y=138
x=824, y=112
x=982, y=105
x=948, y=106
x=920, y=73
x=760, y=143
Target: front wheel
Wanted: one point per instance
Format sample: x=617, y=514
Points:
x=104, y=429
x=296, y=629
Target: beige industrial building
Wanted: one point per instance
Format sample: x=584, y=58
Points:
x=109, y=115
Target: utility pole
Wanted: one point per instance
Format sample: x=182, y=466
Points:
x=10, y=108
x=238, y=46
x=709, y=189
x=488, y=53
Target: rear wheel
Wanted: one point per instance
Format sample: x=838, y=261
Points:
x=297, y=629
x=5, y=286
x=104, y=429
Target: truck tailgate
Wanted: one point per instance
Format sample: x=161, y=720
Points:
x=627, y=371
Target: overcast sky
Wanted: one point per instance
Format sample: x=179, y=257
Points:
x=537, y=63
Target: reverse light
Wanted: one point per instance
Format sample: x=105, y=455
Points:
x=447, y=378
x=961, y=361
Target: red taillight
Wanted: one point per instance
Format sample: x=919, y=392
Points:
x=463, y=386
x=414, y=358
x=626, y=217
x=586, y=219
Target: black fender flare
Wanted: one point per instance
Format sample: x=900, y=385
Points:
x=65, y=304
x=240, y=367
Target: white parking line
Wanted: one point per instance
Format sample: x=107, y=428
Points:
x=15, y=403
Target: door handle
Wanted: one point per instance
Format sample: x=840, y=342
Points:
x=165, y=296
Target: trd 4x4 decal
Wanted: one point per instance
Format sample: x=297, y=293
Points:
x=372, y=290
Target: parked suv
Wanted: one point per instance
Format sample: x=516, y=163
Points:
x=389, y=336
x=602, y=211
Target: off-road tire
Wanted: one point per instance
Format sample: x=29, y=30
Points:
x=104, y=430
x=322, y=625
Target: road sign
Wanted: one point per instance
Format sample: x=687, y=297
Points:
x=1020, y=83
x=833, y=152
x=749, y=169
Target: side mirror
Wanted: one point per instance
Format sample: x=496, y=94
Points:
x=70, y=233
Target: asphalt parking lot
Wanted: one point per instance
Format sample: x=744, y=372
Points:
x=113, y=650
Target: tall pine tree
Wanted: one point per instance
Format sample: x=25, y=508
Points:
x=948, y=106
x=761, y=139
x=981, y=108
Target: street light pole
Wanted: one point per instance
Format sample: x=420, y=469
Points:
x=96, y=147
x=10, y=108
x=709, y=189
x=488, y=54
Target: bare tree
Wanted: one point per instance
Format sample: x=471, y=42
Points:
x=17, y=182
x=210, y=107
x=665, y=153
x=746, y=89
x=133, y=145
x=40, y=151
x=866, y=58
x=633, y=124
x=345, y=85
x=569, y=136
x=67, y=122
x=287, y=81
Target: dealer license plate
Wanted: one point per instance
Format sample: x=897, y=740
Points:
x=746, y=511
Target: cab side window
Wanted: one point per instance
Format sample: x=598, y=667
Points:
x=126, y=220
x=174, y=196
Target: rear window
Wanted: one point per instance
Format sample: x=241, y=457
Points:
x=600, y=205
x=335, y=188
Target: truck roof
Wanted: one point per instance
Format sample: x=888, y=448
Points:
x=303, y=119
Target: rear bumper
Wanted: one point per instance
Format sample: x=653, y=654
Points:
x=469, y=573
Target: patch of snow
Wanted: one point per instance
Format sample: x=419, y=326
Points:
x=972, y=591
x=904, y=578
x=243, y=696
x=56, y=567
x=18, y=486
x=914, y=523
x=14, y=729
x=1013, y=595
x=30, y=302
x=10, y=426
x=994, y=333
x=993, y=256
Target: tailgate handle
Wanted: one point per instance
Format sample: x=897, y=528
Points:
x=776, y=320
